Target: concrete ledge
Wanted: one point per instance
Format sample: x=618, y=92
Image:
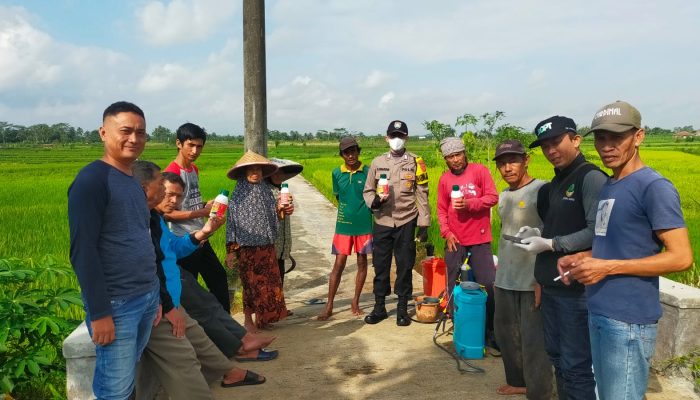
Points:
x=78, y=344
x=678, y=295
x=79, y=352
x=678, y=327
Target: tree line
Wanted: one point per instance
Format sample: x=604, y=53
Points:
x=65, y=133
x=468, y=126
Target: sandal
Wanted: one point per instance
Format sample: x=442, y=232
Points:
x=251, y=378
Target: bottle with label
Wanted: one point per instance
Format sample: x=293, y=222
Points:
x=284, y=195
x=464, y=271
x=383, y=186
x=456, y=194
x=218, y=209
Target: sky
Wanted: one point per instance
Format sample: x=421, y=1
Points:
x=353, y=64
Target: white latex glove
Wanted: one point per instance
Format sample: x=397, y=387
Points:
x=535, y=244
x=527, y=231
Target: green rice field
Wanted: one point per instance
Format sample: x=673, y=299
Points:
x=35, y=180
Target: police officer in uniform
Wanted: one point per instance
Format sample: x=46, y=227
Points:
x=396, y=215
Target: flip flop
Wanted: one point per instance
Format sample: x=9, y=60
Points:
x=312, y=302
x=263, y=355
x=251, y=378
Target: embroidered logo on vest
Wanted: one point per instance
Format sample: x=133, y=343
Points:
x=569, y=191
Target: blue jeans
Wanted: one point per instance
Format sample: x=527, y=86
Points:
x=115, y=363
x=566, y=340
x=621, y=356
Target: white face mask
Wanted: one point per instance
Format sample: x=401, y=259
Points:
x=397, y=143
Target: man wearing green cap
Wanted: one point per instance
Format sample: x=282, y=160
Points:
x=639, y=215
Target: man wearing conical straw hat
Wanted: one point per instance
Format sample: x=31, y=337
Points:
x=251, y=231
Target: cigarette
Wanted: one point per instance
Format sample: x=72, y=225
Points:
x=559, y=277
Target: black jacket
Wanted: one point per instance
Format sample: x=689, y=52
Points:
x=561, y=207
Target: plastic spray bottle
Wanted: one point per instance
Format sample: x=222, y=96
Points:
x=284, y=194
x=464, y=271
x=383, y=186
x=456, y=194
x=218, y=209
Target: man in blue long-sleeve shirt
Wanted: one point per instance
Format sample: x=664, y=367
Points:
x=112, y=253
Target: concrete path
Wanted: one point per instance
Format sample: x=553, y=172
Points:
x=344, y=358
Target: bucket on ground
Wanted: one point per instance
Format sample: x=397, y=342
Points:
x=469, y=320
x=434, y=273
x=427, y=309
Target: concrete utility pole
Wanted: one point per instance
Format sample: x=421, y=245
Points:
x=254, y=86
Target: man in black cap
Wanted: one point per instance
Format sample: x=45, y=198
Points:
x=568, y=208
x=397, y=211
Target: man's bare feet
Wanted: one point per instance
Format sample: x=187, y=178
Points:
x=267, y=327
x=248, y=354
x=251, y=328
x=508, y=390
x=355, y=307
x=255, y=342
x=325, y=314
x=234, y=375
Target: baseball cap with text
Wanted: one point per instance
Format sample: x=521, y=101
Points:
x=553, y=127
x=617, y=117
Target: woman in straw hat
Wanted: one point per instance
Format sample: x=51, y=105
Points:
x=286, y=169
x=251, y=231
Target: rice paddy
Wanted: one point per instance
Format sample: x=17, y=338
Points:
x=35, y=180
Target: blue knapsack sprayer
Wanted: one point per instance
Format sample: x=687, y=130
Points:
x=469, y=320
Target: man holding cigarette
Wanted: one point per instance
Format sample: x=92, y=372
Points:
x=639, y=215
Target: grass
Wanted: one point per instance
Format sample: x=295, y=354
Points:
x=673, y=160
x=35, y=181
x=687, y=366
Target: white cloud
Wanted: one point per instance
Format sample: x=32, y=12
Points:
x=44, y=80
x=301, y=80
x=47, y=81
x=353, y=64
x=182, y=21
x=21, y=51
x=474, y=30
x=307, y=104
x=374, y=79
x=386, y=99
x=163, y=77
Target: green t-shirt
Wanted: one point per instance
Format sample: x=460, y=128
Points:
x=354, y=218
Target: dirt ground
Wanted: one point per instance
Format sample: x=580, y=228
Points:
x=344, y=358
